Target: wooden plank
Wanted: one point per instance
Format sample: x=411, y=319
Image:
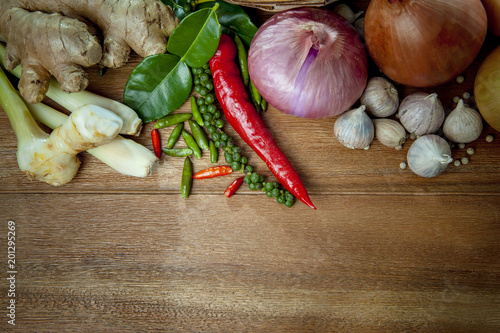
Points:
x=381, y=263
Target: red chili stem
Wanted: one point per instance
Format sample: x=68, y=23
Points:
x=246, y=121
x=233, y=187
x=216, y=171
x=155, y=138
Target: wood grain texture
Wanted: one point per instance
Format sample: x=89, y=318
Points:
x=386, y=250
x=170, y=267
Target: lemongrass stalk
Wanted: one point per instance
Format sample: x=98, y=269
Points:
x=132, y=124
x=131, y=121
x=25, y=127
x=52, y=158
x=124, y=155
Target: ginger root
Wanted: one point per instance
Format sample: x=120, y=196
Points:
x=58, y=37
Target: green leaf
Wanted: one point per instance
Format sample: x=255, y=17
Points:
x=196, y=38
x=234, y=20
x=159, y=85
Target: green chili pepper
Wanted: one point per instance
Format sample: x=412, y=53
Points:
x=263, y=105
x=174, y=136
x=187, y=178
x=191, y=143
x=172, y=119
x=256, y=98
x=255, y=93
x=198, y=134
x=178, y=152
x=214, y=152
x=196, y=111
x=242, y=60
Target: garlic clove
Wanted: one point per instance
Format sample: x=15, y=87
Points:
x=463, y=124
x=359, y=25
x=354, y=129
x=380, y=97
x=346, y=12
x=421, y=113
x=429, y=155
x=389, y=132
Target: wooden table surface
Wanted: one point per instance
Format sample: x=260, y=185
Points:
x=386, y=250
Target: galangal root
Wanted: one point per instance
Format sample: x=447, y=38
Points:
x=60, y=38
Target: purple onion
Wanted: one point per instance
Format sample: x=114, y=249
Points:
x=308, y=62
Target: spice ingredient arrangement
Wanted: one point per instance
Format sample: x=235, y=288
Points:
x=307, y=62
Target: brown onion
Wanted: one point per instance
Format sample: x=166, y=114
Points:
x=424, y=43
x=493, y=12
x=487, y=89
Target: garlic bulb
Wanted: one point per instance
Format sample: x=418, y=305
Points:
x=359, y=25
x=421, y=113
x=354, y=129
x=346, y=12
x=429, y=155
x=463, y=124
x=389, y=132
x=380, y=97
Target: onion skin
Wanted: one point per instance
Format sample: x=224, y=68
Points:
x=493, y=11
x=487, y=89
x=336, y=77
x=424, y=43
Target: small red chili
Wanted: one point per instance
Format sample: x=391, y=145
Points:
x=211, y=172
x=155, y=137
x=233, y=187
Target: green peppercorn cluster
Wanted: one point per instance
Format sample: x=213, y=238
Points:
x=203, y=85
x=256, y=182
x=213, y=122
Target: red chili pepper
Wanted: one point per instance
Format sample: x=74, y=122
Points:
x=212, y=172
x=233, y=187
x=155, y=137
x=244, y=118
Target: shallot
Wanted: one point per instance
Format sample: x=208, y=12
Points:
x=308, y=62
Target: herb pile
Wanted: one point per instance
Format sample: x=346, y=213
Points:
x=162, y=83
